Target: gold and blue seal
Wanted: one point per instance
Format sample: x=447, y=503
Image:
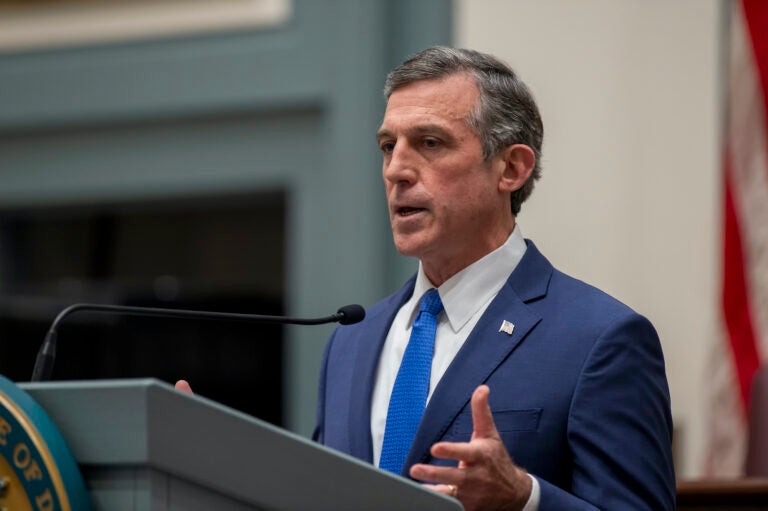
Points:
x=37, y=469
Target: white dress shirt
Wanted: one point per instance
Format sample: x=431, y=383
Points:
x=465, y=297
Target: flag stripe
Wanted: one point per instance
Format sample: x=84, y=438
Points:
x=753, y=174
x=756, y=16
x=735, y=297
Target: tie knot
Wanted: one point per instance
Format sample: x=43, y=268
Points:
x=431, y=303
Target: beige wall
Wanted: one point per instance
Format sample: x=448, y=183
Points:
x=630, y=196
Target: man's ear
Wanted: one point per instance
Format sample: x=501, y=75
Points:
x=516, y=163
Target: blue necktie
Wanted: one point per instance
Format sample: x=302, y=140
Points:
x=409, y=394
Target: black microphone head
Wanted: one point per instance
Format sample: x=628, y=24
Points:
x=351, y=314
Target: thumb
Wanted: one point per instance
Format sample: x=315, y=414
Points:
x=183, y=386
x=482, y=418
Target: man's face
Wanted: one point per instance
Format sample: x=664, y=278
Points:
x=445, y=205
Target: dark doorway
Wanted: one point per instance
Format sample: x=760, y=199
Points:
x=219, y=254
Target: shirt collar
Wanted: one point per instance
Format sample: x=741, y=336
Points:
x=470, y=289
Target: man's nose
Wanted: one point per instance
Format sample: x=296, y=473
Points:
x=401, y=166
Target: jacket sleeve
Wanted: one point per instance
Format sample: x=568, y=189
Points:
x=619, y=426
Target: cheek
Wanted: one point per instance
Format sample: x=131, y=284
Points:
x=470, y=201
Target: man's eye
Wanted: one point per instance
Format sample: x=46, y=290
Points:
x=387, y=147
x=431, y=143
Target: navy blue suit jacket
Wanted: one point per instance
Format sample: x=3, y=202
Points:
x=578, y=391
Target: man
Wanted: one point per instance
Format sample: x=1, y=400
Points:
x=540, y=392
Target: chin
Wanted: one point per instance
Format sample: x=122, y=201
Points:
x=411, y=246
x=407, y=247
x=406, y=250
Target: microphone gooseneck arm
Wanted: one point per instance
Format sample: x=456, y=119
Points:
x=43, y=369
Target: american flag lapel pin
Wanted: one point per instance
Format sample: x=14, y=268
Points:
x=507, y=327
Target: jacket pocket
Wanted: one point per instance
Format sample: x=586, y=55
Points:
x=507, y=421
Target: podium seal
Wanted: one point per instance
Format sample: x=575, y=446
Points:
x=37, y=470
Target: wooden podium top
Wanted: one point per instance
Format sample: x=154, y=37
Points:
x=723, y=494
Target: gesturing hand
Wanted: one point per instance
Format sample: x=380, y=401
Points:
x=486, y=478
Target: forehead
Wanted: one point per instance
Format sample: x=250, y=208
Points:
x=449, y=98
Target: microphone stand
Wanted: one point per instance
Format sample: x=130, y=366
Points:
x=46, y=357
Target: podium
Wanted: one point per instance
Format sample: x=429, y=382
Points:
x=143, y=446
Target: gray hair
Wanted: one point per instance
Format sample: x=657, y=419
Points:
x=505, y=114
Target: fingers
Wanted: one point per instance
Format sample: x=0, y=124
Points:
x=483, y=428
x=482, y=418
x=183, y=386
x=463, y=451
x=486, y=477
x=443, y=476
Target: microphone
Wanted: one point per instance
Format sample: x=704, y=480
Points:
x=347, y=315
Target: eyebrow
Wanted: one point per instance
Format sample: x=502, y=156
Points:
x=419, y=129
x=382, y=133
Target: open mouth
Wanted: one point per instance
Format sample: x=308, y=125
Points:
x=409, y=211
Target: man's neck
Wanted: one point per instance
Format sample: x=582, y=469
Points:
x=440, y=268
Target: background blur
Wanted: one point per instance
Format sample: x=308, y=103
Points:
x=221, y=155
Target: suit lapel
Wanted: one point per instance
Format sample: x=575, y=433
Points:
x=484, y=350
x=368, y=351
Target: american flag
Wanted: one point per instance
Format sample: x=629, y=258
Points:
x=744, y=305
